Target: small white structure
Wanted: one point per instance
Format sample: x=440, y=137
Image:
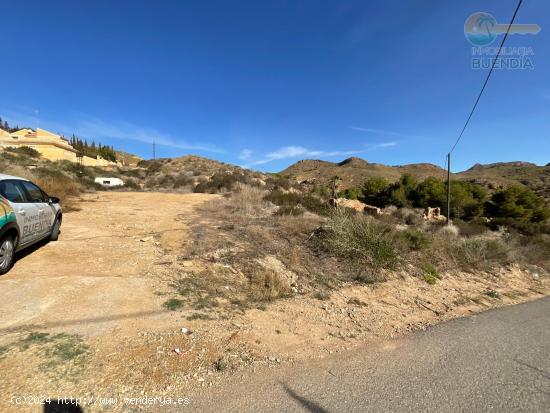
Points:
x=109, y=181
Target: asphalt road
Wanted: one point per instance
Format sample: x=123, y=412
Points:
x=496, y=361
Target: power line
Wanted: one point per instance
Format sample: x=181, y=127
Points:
x=488, y=76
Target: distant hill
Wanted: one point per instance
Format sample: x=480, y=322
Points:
x=127, y=158
x=354, y=171
x=506, y=173
x=192, y=164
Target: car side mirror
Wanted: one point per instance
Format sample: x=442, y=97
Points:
x=54, y=200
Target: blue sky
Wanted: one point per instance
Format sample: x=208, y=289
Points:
x=265, y=83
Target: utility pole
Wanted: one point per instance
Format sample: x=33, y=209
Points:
x=154, y=153
x=448, y=188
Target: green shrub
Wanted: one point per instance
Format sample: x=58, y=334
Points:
x=166, y=181
x=76, y=169
x=471, y=228
x=220, y=364
x=293, y=201
x=276, y=181
x=173, y=304
x=322, y=191
x=492, y=294
x=534, y=250
x=366, y=244
x=25, y=151
x=351, y=193
x=518, y=207
x=152, y=166
x=375, y=192
x=416, y=240
x=222, y=182
x=479, y=254
x=413, y=219
x=468, y=198
x=183, y=180
x=131, y=184
x=431, y=274
x=290, y=210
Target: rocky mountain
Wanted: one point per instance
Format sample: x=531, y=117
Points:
x=506, y=173
x=354, y=171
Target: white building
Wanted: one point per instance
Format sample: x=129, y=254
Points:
x=109, y=181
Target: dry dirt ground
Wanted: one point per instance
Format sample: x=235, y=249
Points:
x=84, y=317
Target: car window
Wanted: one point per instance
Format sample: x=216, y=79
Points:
x=12, y=191
x=34, y=192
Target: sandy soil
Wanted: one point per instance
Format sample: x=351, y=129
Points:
x=99, y=292
x=103, y=271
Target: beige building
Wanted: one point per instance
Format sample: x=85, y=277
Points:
x=50, y=145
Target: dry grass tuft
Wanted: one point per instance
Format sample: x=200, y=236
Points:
x=62, y=187
x=268, y=285
x=365, y=243
x=248, y=201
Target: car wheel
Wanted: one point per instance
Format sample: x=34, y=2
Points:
x=7, y=253
x=55, y=230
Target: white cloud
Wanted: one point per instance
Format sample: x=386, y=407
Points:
x=128, y=131
x=384, y=132
x=386, y=144
x=245, y=154
x=288, y=152
x=90, y=127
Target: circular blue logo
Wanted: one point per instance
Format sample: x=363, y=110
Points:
x=479, y=29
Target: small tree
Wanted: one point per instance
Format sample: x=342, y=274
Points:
x=351, y=193
x=402, y=193
x=517, y=205
x=375, y=191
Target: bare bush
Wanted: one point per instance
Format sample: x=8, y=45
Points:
x=223, y=182
x=267, y=285
x=532, y=250
x=448, y=231
x=472, y=228
x=62, y=187
x=183, y=180
x=248, y=201
x=367, y=244
x=477, y=254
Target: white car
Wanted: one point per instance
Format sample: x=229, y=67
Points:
x=27, y=216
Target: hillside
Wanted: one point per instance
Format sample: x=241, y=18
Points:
x=181, y=174
x=354, y=171
x=127, y=159
x=506, y=173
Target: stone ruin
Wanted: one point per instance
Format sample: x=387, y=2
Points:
x=433, y=214
x=355, y=205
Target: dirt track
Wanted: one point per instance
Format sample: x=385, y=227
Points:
x=102, y=267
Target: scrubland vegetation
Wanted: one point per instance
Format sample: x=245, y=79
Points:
x=315, y=246
x=324, y=248
x=515, y=206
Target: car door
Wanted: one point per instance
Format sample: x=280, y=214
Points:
x=26, y=213
x=45, y=214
